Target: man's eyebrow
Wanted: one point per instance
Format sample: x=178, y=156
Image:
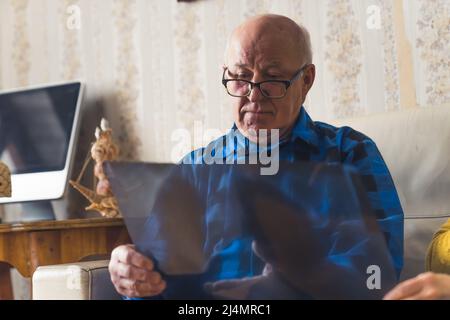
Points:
x=275, y=65
x=272, y=64
x=241, y=65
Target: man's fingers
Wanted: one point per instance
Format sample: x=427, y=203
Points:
x=132, y=275
x=405, y=289
x=233, y=288
x=268, y=269
x=131, y=272
x=426, y=286
x=154, y=278
x=433, y=287
x=128, y=255
x=132, y=288
x=232, y=283
x=264, y=253
x=425, y=294
x=222, y=285
x=133, y=294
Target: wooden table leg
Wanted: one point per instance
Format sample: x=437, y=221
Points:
x=6, y=292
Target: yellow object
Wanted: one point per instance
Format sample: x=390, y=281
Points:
x=5, y=180
x=438, y=256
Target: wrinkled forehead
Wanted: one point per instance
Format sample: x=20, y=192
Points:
x=268, y=46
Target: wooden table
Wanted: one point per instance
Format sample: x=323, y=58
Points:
x=25, y=246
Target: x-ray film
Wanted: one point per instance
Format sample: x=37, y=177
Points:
x=227, y=232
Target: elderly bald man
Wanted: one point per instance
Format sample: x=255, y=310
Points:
x=268, y=72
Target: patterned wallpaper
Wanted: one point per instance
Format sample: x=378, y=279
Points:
x=343, y=57
x=433, y=44
x=127, y=76
x=20, y=56
x=390, y=54
x=153, y=66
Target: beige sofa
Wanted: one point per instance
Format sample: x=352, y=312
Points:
x=74, y=281
x=415, y=144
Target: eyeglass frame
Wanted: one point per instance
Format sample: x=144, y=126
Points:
x=287, y=83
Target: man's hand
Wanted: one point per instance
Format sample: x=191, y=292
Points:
x=238, y=288
x=132, y=273
x=426, y=286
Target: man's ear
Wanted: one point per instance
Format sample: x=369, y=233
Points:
x=308, y=80
x=310, y=74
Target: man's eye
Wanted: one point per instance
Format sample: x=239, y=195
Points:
x=273, y=76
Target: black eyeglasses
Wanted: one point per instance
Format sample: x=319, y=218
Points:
x=273, y=89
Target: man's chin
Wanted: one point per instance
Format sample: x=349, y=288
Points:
x=256, y=124
x=255, y=132
x=259, y=119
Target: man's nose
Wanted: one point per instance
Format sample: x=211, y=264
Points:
x=255, y=94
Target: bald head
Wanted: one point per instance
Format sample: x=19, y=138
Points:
x=268, y=29
x=274, y=52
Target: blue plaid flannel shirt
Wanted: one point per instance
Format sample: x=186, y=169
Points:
x=317, y=142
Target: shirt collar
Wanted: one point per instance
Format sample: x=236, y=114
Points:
x=305, y=129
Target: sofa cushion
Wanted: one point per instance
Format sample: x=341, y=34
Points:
x=415, y=144
x=74, y=281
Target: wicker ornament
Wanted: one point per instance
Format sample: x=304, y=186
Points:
x=100, y=197
x=5, y=181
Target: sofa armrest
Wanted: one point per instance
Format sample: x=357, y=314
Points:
x=74, y=281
